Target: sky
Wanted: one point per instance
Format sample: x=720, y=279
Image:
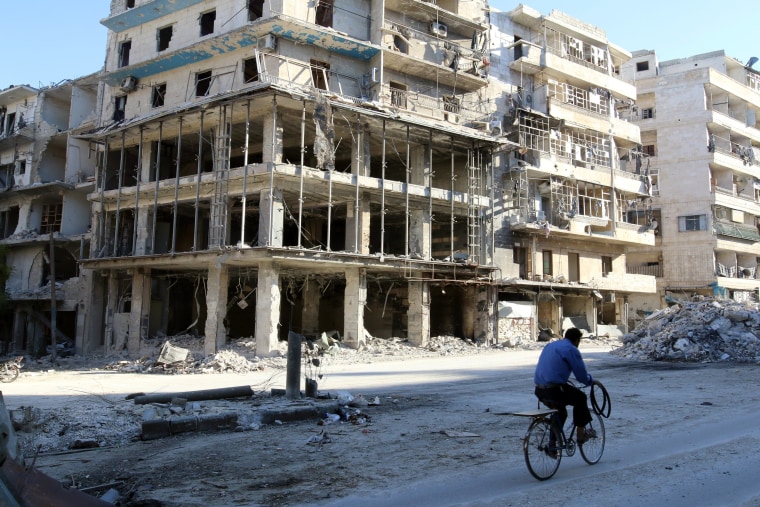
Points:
x=48, y=41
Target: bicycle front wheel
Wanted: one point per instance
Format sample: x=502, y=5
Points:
x=592, y=449
x=542, y=449
x=8, y=373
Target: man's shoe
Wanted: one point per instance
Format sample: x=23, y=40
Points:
x=551, y=452
x=586, y=435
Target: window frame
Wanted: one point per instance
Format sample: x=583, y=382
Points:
x=158, y=95
x=206, y=18
x=160, y=36
x=200, y=77
x=125, y=48
x=692, y=223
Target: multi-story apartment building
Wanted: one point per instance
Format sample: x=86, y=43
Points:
x=45, y=176
x=288, y=165
x=573, y=198
x=699, y=127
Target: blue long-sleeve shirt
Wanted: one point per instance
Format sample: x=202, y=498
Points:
x=557, y=360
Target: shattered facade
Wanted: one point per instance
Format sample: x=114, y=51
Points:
x=403, y=168
x=699, y=125
x=45, y=176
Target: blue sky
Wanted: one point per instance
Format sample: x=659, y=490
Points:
x=47, y=41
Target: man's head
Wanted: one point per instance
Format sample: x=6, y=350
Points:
x=574, y=335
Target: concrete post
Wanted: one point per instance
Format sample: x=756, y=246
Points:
x=90, y=307
x=271, y=213
x=354, y=299
x=216, y=307
x=267, y=308
x=139, y=314
x=310, y=311
x=272, y=143
x=112, y=307
x=360, y=221
x=420, y=227
x=418, y=314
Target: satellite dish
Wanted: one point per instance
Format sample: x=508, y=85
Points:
x=751, y=62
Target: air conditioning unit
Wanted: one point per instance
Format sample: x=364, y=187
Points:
x=267, y=43
x=609, y=297
x=495, y=127
x=721, y=213
x=439, y=29
x=128, y=84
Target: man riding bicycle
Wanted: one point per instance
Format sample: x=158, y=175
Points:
x=557, y=360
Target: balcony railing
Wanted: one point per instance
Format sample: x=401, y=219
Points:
x=433, y=107
x=576, y=50
x=579, y=97
x=748, y=154
x=645, y=269
x=736, y=271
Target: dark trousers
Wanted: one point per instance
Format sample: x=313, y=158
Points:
x=559, y=397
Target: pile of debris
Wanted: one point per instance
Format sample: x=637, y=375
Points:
x=705, y=330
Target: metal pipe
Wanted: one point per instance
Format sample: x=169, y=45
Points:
x=176, y=184
x=198, y=182
x=118, y=194
x=158, y=179
x=382, y=199
x=406, y=217
x=270, y=236
x=103, y=178
x=300, y=188
x=227, y=155
x=429, y=182
x=453, y=219
x=137, y=190
x=245, y=170
x=359, y=149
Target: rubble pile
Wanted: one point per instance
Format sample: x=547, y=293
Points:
x=705, y=330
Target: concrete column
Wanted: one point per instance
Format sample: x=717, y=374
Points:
x=216, y=307
x=354, y=299
x=19, y=319
x=360, y=221
x=112, y=307
x=143, y=224
x=479, y=317
x=360, y=152
x=310, y=311
x=139, y=315
x=90, y=309
x=272, y=150
x=267, y=309
x=420, y=227
x=276, y=210
x=418, y=314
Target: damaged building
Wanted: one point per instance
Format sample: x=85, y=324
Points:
x=699, y=123
x=45, y=177
x=402, y=168
x=575, y=196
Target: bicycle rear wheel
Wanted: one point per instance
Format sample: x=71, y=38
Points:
x=8, y=373
x=592, y=449
x=542, y=449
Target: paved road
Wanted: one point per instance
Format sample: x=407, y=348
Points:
x=679, y=435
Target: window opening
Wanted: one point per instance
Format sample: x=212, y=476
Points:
x=51, y=218
x=648, y=150
x=120, y=106
x=207, y=22
x=124, y=49
x=606, y=265
x=202, y=83
x=642, y=66
x=164, y=36
x=158, y=94
x=250, y=70
x=398, y=94
x=319, y=75
x=255, y=9
x=324, y=15
x=130, y=4
x=692, y=223
x=547, y=262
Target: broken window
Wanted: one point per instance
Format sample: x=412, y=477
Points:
x=518, y=51
x=10, y=123
x=250, y=70
x=255, y=9
x=207, y=20
x=6, y=176
x=692, y=223
x=647, y=113
x=164, y=35
x=324, y=15
x=158, y=94
x=398, y=94
x=642, y=66
x=130, y=4
x=8, y=221
x=119, y=107
x=606, y=265
x=124, y=49
x=202, y=83
x=319, y=74
x=648, y=150
x=51, y=218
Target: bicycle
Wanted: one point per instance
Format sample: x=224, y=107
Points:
x=545, y=442
x=9, y=369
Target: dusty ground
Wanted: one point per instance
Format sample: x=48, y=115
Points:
x=437, y=417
